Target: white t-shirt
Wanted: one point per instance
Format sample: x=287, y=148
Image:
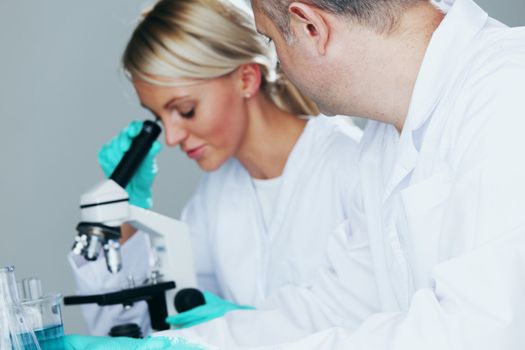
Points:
x=267, y=195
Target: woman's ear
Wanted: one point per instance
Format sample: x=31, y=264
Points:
x=251, y=77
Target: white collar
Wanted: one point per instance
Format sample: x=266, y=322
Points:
x=462, y=23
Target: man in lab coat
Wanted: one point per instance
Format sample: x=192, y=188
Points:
x=442, y=168
x=443, y=171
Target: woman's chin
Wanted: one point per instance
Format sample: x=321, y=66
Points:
x=209, y=165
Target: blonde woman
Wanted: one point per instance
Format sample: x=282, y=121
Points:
x=278, y=181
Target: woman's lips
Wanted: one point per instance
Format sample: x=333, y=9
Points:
x=196, y=153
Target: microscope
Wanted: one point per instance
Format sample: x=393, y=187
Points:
x=170, y=287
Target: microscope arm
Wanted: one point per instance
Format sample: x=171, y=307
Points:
x=171, y=245
x=153, y=295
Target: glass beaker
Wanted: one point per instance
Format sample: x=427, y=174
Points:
x=44, y=316
x=15, y=333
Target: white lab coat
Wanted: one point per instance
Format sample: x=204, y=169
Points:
x=241, y=258
x=443, y=205
x=236, y=255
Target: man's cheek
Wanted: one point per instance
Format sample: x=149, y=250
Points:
x=289, y=69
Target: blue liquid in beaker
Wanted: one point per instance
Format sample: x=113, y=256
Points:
x=24, y=340
x=51, y=338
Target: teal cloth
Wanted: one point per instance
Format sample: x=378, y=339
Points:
x=215, y=307
x=110, y=154
x=82, y=342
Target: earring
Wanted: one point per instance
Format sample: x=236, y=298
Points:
x=247, y=95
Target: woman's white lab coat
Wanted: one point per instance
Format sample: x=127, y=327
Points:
x=443, y=205
x=236, y=254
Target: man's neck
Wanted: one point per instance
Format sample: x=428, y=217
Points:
x=395, y=61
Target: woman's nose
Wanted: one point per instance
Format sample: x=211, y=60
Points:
x=175, y=135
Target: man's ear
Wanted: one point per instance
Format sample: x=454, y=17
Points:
x=251, y=76
x=310, y=21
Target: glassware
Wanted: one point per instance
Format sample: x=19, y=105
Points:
x=15, y=333
x=29, y=288
x=44, y=316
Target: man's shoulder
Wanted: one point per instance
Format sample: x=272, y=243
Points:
x=496, y=49
x=488, y=77
x=496, y=72
x=485, y=104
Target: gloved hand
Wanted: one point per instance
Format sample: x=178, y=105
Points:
x=215, y=307
x=82, y=342
x=139, y=187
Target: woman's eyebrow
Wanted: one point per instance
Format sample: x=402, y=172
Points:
x=166, y=105
x=175, y=99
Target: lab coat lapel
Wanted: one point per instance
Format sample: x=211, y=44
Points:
x=301, y=154
x=236, y=213
x=372, y=189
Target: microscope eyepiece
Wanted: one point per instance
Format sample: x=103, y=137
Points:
x=140, y=146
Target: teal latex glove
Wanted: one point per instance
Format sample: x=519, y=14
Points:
x=215, y=307
x=139, y=188
x=82, y=342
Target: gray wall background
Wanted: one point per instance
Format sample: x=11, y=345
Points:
x=61, y=97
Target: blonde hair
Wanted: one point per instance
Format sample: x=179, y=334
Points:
x=207, y=39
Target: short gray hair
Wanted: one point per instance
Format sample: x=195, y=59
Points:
x=379, y=14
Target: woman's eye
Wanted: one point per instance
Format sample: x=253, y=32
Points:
x=189, y=114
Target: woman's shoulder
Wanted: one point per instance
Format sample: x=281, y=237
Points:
x=210, y=186
x=338, y=128
x=328, y=151
x=333, y=149
x=335, y=138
